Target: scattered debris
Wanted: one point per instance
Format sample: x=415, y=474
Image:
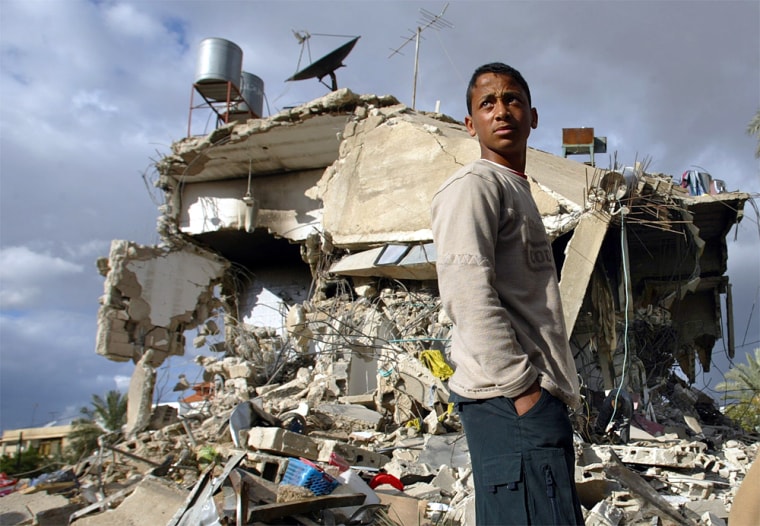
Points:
x=301, y=253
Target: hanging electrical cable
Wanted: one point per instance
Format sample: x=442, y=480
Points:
x=624, y=256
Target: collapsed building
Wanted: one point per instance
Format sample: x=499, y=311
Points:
x=307, y=235
x=305, y=240
x=297, y=252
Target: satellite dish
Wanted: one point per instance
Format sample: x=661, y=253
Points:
x=326, y=65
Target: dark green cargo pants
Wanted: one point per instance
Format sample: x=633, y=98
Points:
x=523, y=466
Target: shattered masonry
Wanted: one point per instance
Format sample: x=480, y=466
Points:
x=299, y=248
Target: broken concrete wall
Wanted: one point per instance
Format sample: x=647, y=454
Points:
x=151, y=296
x=271, y=292
x=276, y=203
x=373, y=196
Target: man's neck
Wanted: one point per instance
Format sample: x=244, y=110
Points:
x=521, y=174
x=515, y=160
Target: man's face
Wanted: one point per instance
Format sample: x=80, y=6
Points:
x=501, y=119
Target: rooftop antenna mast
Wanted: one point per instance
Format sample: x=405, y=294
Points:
x=427, y=20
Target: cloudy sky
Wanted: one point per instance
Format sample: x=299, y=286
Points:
x=93, y=92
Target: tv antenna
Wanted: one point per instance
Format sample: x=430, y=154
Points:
x=427, y=20
x=326, y=65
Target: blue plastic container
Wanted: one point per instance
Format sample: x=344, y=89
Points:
x=312, y=478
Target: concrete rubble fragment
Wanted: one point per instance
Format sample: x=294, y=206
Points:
x=322, y=340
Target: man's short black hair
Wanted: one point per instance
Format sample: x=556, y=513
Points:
x=500, y=69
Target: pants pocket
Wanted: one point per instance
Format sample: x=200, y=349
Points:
x=550, y=489
x=500, y=491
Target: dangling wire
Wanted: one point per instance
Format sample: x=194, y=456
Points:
x=248, y=198
x=624, y=252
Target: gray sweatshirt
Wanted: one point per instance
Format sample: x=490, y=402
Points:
x=498, y=284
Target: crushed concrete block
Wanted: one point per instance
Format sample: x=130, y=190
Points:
x=345, y=416
x=710, y=519
x=445, y=479
x=604, y=514
x=355, y=456
x=694, y=489
x=241, y=370
x=419, y=383
x=338, y=370
x=634, y=482
x=593, y=487
x=464, y=477
x=450, y=449
x=432, y=425
x=210, y=327
x=679, y=455
x=363, y=164
x=363, y=437
x=713, y=507
x=120, y=352
x=693, y=424
x=293, y=387
x=405, y=465
x=404, y=509
x=277, y=440
x=423, y=490
x=625, y=500
x=365, y=399
x=735, y=455
x=162, y=416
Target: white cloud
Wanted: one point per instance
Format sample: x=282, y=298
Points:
x=21, y=263
x=122, y=383
x=90, y=250
x=23, y=274
x=125, y=19
x=103, y=383
x=60, y=332
x=95, y=99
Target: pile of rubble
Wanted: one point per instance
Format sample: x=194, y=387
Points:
x=284, y=439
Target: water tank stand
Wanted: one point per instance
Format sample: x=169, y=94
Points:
x=223, y=98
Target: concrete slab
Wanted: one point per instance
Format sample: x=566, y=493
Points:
x=154, y=501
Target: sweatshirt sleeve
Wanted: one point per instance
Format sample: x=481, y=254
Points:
x=467, y=213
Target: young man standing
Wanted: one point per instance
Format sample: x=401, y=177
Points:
x=515, y=375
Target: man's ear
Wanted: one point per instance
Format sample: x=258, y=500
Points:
x=534, y=118
x=470, y=127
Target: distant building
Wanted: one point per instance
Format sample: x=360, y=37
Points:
x=49, y=440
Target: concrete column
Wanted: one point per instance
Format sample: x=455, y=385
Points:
x=140, y=396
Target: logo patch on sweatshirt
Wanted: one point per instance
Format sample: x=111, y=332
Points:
x=540, y=256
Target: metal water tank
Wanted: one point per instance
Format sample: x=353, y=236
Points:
x=252, y=90
x=219, y=60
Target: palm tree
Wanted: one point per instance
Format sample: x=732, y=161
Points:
x=753, y=128
x=104, y=417
x=742, y=387
x=110, y=413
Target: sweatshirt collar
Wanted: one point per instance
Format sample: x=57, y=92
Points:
x=519, y=174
